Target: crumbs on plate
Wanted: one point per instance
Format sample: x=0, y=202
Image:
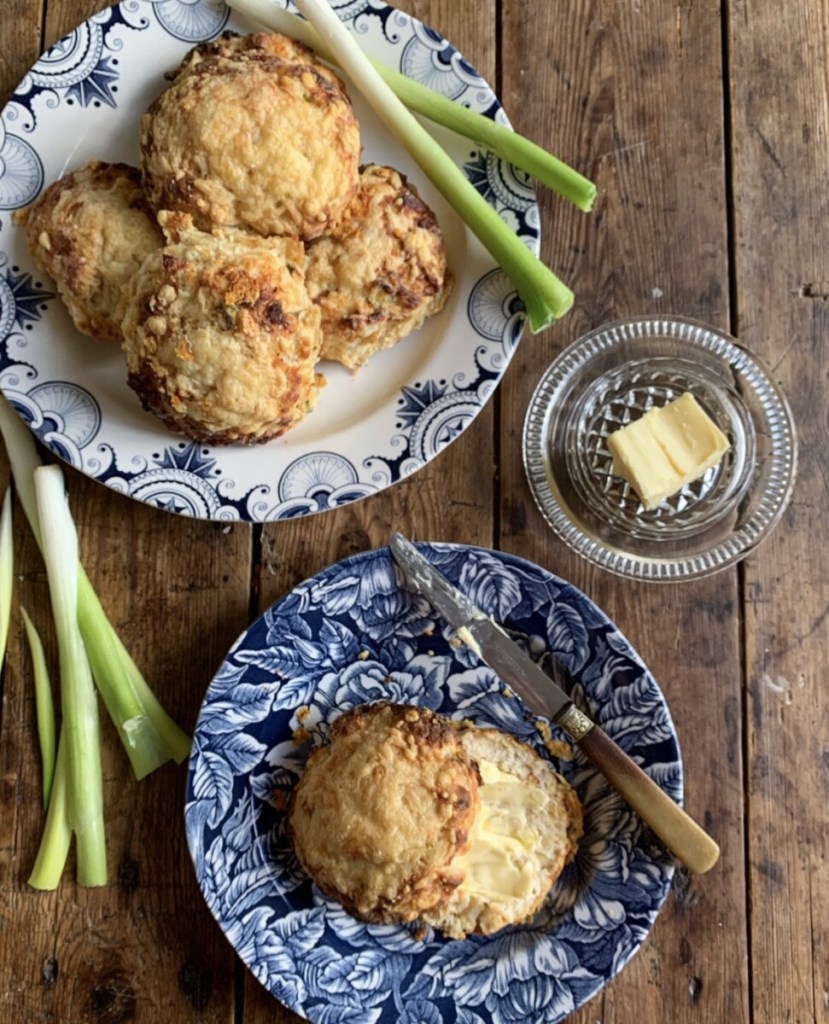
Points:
x=558, y=748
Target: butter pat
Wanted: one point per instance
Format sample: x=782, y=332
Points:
x=499, y=863
x=666, y=449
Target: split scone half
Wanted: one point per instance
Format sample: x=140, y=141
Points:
x=408, y=816
x=526, y=830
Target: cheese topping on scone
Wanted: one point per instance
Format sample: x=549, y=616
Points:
x=220, y=336
x=381, y=811
x=408, y=816
x=257, y=143
x=380, y=272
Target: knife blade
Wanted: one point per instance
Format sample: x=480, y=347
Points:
x=687, y=840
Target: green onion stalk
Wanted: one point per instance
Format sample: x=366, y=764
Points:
x=57, y=832
x=545, y=297
x=148, y=734
x=79, y=704
x=44, y=706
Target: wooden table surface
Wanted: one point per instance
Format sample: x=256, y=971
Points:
x=705, y=126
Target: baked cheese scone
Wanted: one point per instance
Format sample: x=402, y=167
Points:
x=382, y=810
x=409, y=816
x=380, y=272
x=258, y=143
x=90, y=231
x=220, y=337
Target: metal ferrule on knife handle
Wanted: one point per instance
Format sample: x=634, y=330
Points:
x=677, y=830
x=574, y=722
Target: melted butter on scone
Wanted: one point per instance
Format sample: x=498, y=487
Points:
x=406, y=815
x=526, y=828
x=499, y=863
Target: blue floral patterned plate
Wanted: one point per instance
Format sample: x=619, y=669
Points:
x=354, y=634
x=83, y=100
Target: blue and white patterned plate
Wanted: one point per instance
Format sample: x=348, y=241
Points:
x=83, y=100
x=354, y=634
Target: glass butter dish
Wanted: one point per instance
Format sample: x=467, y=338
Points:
x=611, y=377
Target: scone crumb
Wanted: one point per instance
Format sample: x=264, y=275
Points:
x=558, y=748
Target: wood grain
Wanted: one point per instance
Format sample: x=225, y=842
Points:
x=705, y=127
x=780, y=113
x=632, y=95
x=21, y=41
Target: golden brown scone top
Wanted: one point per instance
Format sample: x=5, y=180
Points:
x=381, y=811
x=263, y=144
x=220, y=336
x=90, y=232
x=253, y=46
x=380, y=272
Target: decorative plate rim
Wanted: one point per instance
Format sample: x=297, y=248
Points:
x=599, y=914
x=424, y=393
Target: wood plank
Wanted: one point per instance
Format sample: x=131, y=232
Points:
x=21, y=41
x=450, y=499
x=177, y=593
x=632, y=95
x=144, y=948
x=780, y=112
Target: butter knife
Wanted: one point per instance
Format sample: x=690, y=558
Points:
x=688, y=842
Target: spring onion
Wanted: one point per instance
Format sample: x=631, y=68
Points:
x=6, y=571
x=57, y=833
x=148, y=734
x=512, y=147
x=150, y=737
x=79, y=704
x=43, y=705
x=545, y=297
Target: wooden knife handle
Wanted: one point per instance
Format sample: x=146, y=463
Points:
x=689, y=843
